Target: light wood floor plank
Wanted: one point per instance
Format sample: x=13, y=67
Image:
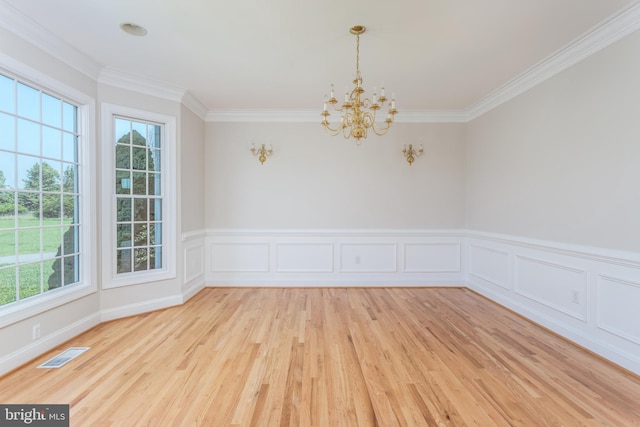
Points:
x=330, y=357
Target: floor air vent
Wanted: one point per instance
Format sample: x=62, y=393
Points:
x=64, y=357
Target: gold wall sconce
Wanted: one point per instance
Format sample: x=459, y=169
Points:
x=263, y=152
x=411, y=154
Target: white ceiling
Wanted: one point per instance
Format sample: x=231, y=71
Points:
x=435, y=55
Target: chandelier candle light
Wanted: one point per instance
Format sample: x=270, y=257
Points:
x=358, y=112
x=411, y=154
x=262, y=152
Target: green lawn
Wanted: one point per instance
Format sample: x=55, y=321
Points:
x=29, y=275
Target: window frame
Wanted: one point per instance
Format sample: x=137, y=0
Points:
x=110, y=277
x=86, y=116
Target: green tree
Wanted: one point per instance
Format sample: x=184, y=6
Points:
x=47, y=179
x=6, y=197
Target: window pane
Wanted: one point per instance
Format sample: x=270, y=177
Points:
x=8, y=289
x=28, y=102
x=139, y=134
x=71, y=269
x=52, y=208
x=8, y=170
x=140, y=211
x=51, y=110
x=154, y=184
x=29, y=277
x=123, y=156
x=123, y=182
x=154, y=160
x=51, y=176
x=7, y=132
x=123, y=210
x=54, y=280
x=69, y=148
x=69, y=209
x=139, y=183
x=155, y=209
x=51, y=143
x=28, y=137
x=70, y=240
x=141, y=259
x=28, y=173
x=124, y=261
x=139, y=158
x=69, y=117
x=153, y=136
x=122, y=131
x=140, y=234
x=7, y=206
x=124, y=236
x=69, y=178
x=29, y=244
x=29, y=209
x=7, y=94
x=7, y=243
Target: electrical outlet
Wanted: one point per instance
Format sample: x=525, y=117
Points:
x=575, y=297
x=36, y=331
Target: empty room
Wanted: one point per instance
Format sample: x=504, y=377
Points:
x=352, y=213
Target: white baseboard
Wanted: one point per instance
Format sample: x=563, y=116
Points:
x=139, y=308
x=41, y=346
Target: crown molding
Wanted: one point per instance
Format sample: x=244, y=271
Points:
x=24, y=27
x=618, y=26
x=606, y=33
x=192, y=103
x=112, y=77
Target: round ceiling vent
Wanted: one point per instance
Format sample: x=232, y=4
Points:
x=133, y=29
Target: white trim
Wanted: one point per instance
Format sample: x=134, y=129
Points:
x=112, y=77
x=192, y=103
x=27, y=29
x=140, y=307
x=29, y=352
x=599, y=37
x=169, y=209
x=604, y=34
x=15, y=312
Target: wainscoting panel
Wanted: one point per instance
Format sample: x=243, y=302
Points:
x=304, y=258
x=619, y=307
x=554, y=285
x=490, y=265
x=334, y=258
x=432, y=257
x=588, y=295
x=240, y=257
x=368, y=258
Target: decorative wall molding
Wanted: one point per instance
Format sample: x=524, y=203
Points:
x=28, y=30
x=601, y=36
x=334, y=258
x=587, y=295
x=112, y=77
x=581, y=48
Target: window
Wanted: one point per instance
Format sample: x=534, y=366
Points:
x=138, y=195
x=43, y=208
x=140, y=147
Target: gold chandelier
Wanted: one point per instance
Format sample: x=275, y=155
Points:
x=358, y=112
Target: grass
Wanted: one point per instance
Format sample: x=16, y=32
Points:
x=29, y=275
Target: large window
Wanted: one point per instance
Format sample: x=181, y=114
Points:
x=139, y=187
x=40, y=199
x=138, y=190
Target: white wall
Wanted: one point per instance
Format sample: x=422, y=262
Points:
x=314, y=181
x=553, y=202
x=562, y=161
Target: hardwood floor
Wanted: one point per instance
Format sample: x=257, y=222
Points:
x=330, y=357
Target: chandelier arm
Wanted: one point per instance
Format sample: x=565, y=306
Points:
x=381, y=130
